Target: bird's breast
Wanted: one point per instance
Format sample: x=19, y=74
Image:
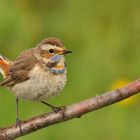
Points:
x=41, y=86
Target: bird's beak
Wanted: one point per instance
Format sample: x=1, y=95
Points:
x=65, y=52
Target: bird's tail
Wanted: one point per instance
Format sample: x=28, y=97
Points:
x=4, y=65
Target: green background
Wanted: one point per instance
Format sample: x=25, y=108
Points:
x=104, y=36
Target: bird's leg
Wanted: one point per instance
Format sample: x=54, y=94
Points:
x=18, y=121
x=56, y=109
x=51, y=106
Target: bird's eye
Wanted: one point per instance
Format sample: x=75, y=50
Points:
x=51, y=50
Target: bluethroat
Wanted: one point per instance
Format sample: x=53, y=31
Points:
x=38, y=73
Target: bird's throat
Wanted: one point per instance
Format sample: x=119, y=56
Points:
x=56, y=64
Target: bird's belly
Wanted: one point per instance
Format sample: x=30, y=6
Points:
x=40, y=87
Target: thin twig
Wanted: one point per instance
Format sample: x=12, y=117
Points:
x=72, y=111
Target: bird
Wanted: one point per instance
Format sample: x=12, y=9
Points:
x=37, y=74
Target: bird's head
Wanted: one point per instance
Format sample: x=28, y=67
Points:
x=52, y=50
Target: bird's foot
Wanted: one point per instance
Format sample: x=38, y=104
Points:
x=56, y=109
x=18, y=124
x=60, y=109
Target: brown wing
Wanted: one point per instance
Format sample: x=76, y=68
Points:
x=19, y=71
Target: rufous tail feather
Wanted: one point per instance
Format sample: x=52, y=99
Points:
x=4, y=65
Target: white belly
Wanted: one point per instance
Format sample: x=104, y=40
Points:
x=41, y=86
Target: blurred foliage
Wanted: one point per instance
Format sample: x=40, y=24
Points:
x=105, y=39
x=129, y=101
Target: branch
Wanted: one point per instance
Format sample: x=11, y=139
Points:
x=72, y=111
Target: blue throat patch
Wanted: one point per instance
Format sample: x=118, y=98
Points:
x=57, y=71
x=56, y=58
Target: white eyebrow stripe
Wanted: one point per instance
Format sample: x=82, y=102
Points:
x=48, y=46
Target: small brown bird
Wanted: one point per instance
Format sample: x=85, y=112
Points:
x=38, y=73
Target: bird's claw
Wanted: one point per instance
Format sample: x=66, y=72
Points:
x=18, y=124
x=60, y=109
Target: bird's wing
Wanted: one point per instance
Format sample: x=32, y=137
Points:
x=20, y=69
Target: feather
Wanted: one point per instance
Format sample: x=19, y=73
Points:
x=4, y=65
